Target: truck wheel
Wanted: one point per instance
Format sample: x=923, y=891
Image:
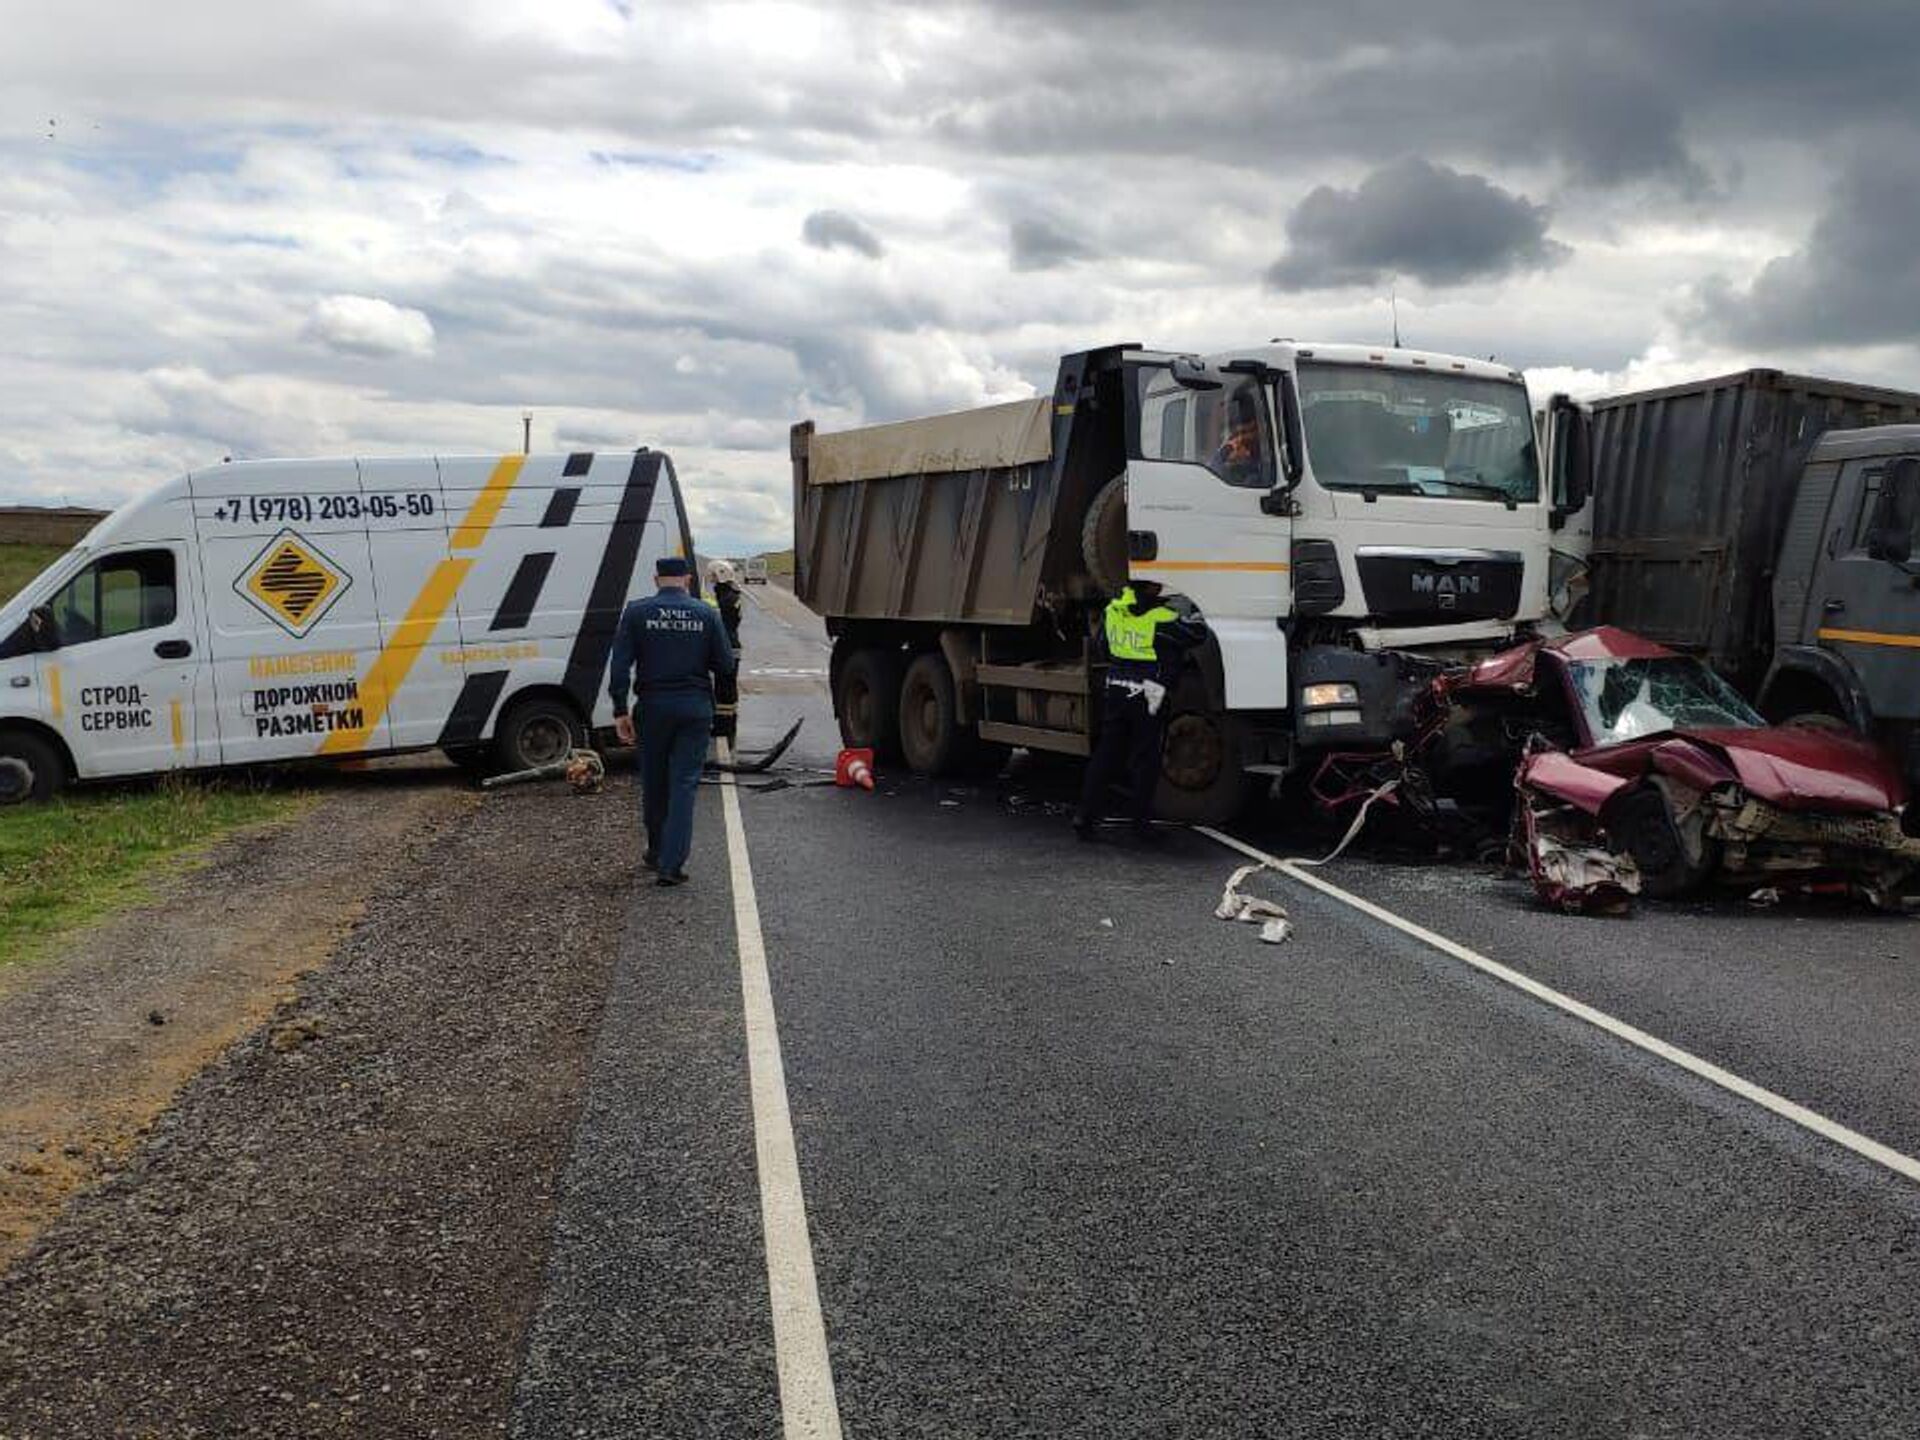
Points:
x=869, y=703
x=932, y=738
x=1671, y=863
x=1103, y=537
x=1202, y=779
x=30, y=769
x=536, y=731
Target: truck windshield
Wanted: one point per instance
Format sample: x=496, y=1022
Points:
x=1625, y=699
x=1451, y=436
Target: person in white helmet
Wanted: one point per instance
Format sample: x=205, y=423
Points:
x=726, y=598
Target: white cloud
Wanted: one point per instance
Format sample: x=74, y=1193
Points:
x=368, y=325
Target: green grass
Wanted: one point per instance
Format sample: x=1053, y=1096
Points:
x=82, y=856
x=20, y=563
x=779, y=562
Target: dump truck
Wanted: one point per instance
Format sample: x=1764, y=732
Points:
x=1769, y=523
x=1346, y=518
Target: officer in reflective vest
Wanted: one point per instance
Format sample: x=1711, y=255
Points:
x=1145, y=637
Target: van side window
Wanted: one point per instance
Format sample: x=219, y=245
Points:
x=116, y=596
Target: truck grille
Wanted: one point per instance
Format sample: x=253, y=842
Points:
x=1440, y=585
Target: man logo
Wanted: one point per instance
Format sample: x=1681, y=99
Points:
x=292, y=583
x=1448, y=587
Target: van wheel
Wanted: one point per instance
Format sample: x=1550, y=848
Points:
x=931, y=735
x=1203, y=780
x=30, y=769
x=869, y=703
x=536, y=731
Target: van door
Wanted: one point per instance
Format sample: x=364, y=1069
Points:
x=124, y=685
x=1867, y=593
x=1201, y=459
x=292, y=620
x=408, y=515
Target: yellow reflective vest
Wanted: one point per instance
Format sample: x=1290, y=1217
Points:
x=1130, y=633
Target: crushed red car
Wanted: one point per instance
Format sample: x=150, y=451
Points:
x=1639, y=769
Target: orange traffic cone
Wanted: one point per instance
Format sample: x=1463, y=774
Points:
x=854, y=767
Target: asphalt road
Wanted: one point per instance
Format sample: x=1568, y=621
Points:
x=1080, y=1159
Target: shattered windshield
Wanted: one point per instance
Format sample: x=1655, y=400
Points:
x=1415, y=432
x=1625, y=699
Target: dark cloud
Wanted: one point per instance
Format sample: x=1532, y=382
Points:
x=1413, y=218
x=1039, y=245
x=1855, y=281
x=837, y=230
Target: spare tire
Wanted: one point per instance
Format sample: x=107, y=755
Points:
x=1103, y=536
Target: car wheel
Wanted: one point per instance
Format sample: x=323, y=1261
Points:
x=536, y=731
x=30, y=769
x=1673, y=858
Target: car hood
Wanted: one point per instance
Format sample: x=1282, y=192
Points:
x=1794, y=767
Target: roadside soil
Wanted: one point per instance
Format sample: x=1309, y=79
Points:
x=340, y=1226
x=97, y=1037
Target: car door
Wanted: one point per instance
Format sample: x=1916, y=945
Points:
x=1201, y=460
x=122, y=685
x=1867, y=593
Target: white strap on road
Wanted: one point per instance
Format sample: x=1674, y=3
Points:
x=1786, y=1109
x=808, y=1406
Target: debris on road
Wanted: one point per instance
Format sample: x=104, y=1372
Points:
x=854, y=769
x=584, y=770
x=1235, y=905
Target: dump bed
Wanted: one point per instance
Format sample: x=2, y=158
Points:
x=1692, y=488
x=968, y=518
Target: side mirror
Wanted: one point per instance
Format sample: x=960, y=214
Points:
x=46, y=633
x=1897, y=515
x=1190, y=373
x=1570, y=464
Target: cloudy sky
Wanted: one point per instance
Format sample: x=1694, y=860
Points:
x=235, y=228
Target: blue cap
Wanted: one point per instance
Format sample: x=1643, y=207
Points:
x=670, y=566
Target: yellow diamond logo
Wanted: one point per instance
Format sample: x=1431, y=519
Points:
x=292, y=583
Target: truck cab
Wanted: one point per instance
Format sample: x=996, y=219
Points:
x=1334, y=508
x=1846, y=591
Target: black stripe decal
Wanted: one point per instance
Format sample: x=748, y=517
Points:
x=560, y=508
x=587, y=664
x=468, y=718
x=578, y=463
x=516, y=606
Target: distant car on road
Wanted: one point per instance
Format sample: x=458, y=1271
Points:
x=754, y=571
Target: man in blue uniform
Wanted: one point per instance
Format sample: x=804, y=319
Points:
x=668, y=650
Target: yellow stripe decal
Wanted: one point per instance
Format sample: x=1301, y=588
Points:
x=1870, y=637
x=391, y=667
x=1265, y=567
x=54, y=702
x=403, y=647
x=486, y=507
x=179, y=727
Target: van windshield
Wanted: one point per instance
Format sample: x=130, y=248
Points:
x=1408, y=432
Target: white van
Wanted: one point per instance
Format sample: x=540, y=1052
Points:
x=754, y=571
x=277, y=610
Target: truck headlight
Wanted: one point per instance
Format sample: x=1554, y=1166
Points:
x=1312, y=697
x=1566, y=584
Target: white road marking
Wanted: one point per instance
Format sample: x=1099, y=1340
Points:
x=808, y=1406
x=1819, y=1124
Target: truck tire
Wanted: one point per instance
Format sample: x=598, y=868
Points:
x=1642, y=823
x=536, y=731
x=868, y=705
x=932, y=739
x=1103, y=537
x=1203, y=754
x=30, y=768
